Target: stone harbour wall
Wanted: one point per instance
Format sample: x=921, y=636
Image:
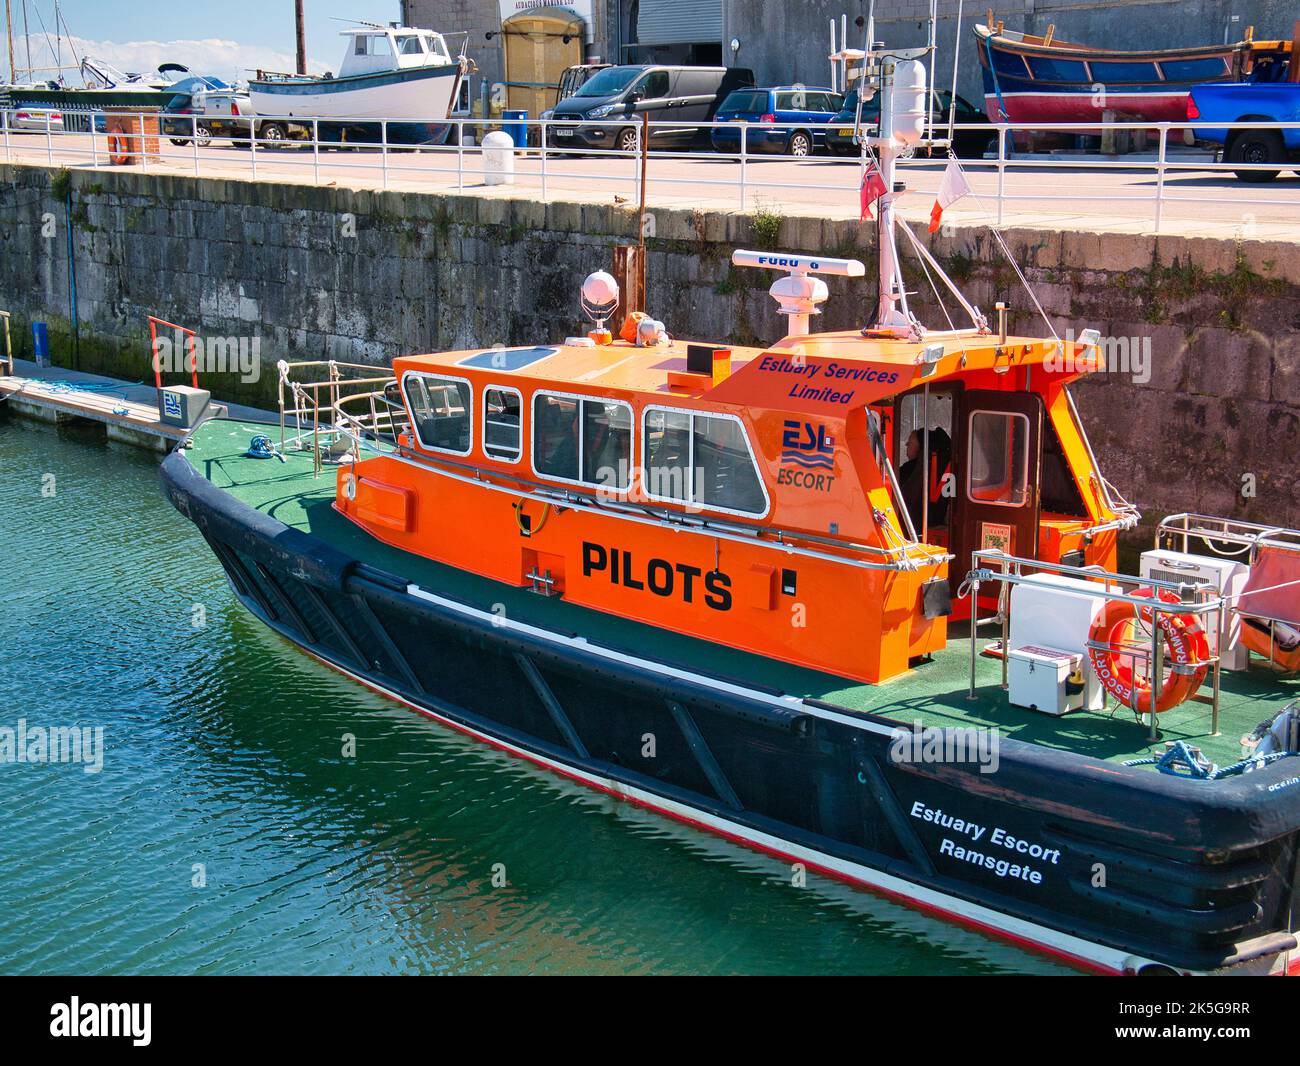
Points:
x=1207, y=416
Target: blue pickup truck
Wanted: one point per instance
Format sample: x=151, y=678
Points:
x=1250, y=101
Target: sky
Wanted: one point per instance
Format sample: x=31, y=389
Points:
x=225, y=39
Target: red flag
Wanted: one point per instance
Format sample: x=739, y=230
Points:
x=873, y=188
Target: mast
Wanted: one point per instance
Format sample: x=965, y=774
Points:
x=905, y=123
x=893, y=316
x=27, y=41
x=9, y=31
x=302, y=36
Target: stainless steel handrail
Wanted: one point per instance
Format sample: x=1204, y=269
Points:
x=1198, y=598
x=1189, y=525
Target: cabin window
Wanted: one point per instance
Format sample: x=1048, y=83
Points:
x=502, y=424
x=375, y=44
x=998, y=466
x=438, y=47
x=701, y=459
x=587, y=441
x=409, y=44
x=667, y=451
x=440, y=409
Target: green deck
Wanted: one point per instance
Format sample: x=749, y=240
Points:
x=934, y=693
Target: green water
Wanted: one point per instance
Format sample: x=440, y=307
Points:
x=223, y=763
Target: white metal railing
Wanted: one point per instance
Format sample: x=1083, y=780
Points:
x=279, y=144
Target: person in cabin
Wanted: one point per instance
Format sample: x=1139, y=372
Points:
x=916, y=482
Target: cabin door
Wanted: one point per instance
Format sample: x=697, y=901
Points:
x=998, y=455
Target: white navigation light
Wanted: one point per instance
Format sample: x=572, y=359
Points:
x=600, y=290
x=797, y=295
x=599, y=297
x=929, y=358
x=908, y=105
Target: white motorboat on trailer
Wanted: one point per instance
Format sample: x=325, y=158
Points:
x=398, y=77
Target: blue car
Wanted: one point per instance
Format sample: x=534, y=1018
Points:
x=788, y=119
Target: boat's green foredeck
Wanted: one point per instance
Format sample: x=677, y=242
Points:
x=934, y=693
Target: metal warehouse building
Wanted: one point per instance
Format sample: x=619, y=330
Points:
x=527, y=43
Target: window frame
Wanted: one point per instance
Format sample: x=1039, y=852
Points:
x=581, y=398
x=690, y=501
x=642, y=85
x=970, y=462
x=519, y=458
x=415, y=426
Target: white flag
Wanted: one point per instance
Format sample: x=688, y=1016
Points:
x=953, y=187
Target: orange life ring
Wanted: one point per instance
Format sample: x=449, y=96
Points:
x=1185, y=646
x=117, y=149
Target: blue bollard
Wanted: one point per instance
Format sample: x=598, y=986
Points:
x=41, y=343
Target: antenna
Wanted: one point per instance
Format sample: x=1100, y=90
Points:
x=797, y=295
x=360, y=22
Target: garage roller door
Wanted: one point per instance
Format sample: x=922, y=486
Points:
x=679, y=22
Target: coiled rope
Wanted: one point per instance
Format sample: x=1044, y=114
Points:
x=262, y=447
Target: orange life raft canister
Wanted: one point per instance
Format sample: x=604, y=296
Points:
x=1185, y=647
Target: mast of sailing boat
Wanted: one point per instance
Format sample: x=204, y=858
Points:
x=9, y=31
x=301, y=34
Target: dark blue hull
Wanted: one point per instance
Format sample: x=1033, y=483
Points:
x=1109, y=868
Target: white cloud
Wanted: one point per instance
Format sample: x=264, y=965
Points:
x=222, y=58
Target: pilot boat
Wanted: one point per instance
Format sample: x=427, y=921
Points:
x=401, y=74
x=851, y=599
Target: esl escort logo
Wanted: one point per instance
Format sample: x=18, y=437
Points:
x=809, y=451
x=171, y=405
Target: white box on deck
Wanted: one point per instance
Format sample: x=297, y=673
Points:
x=1055, y=612
x=1228, y=576
x=1039, y=678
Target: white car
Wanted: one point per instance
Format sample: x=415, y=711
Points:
x=36, y=118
